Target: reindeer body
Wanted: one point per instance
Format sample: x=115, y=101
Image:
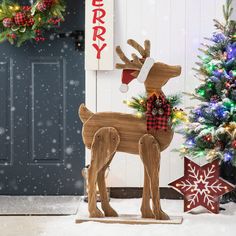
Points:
x=129, y=127
x=106, y=133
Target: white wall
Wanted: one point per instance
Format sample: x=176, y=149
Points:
x=234, y=12
x=176, y=28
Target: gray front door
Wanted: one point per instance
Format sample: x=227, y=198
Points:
x=41, y=87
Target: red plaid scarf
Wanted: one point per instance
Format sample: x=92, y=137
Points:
x=162, y=118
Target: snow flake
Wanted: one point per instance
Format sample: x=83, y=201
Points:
x=68, y=166
x=2, y=130
x=53, y=150
x=201, y=186
x=79, y=184
x=69, y=150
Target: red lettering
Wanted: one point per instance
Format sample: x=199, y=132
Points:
x=99, y=49
x=98, y=32
x=98, y=3
x=98, y=15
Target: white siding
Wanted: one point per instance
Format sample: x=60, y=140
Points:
x=176, y=28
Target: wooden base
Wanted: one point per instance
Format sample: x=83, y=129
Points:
x=129, y=219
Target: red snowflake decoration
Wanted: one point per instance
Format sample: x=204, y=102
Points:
x=201, y=186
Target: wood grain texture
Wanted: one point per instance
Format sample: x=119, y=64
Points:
x=106, y=133
x=104, y=145
x=129, y=219
x=129, y=127
x=150, y=154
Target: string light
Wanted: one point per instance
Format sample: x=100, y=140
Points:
x=201, y=92
x=16, y=8
x=139, y=115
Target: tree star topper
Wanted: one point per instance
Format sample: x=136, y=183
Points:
x=201, y=186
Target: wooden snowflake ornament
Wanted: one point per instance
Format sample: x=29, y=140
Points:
x=201, y=186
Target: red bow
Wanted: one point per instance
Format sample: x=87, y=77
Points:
x=158, y=112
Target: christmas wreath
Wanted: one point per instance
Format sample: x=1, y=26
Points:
x=21, y=23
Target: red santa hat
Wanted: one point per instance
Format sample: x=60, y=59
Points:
x=127, y=75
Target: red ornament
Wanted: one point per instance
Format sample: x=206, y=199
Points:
x=234, y=144
x=48, y=3
x=201, y=186
x=20, y=18
x=208, y=138
x=44, y=5
x=8, y=22
x=41, y=7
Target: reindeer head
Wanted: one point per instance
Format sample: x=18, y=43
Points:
x=153, y=75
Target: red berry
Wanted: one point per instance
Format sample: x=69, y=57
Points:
x=26, y=8
x=13, y=36
x=30, y=22
x=38, y=32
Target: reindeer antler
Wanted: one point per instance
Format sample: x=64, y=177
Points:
x=136, y=63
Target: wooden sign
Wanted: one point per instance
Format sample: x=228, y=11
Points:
x=99, y=35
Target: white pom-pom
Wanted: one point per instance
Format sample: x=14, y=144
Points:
x=147, y=66
x=124, y=88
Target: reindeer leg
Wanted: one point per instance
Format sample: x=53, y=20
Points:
x=145, y=208
x=150, y=154
x=105, y=143
x=108, y=210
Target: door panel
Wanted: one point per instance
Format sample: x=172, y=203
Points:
x=41, y=87
x=47, y=129
x=5, y=114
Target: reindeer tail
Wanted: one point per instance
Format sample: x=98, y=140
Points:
x=84, y=113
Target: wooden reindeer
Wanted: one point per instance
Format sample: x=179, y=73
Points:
x=106, y=133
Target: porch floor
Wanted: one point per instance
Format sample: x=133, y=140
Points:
x=193, y=224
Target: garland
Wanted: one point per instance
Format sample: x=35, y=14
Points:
x=19, y=24
x=178, y=116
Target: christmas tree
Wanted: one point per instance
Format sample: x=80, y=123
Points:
x=211, y=132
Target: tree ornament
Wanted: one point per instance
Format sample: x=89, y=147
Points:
x=208, y=138
x=42, y=6
x=7, y=22
x=20, y=18
x=48, y=3
x=234, y=144
x=201, y=186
